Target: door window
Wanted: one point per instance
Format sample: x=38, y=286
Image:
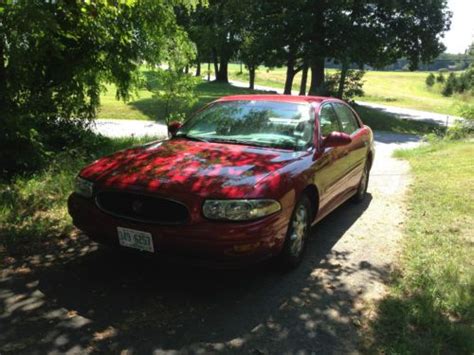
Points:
x=346, y=117
x=328, y=120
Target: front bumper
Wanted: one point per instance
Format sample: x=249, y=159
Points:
x=227, y=244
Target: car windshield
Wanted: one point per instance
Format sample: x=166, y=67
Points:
x=283, y=125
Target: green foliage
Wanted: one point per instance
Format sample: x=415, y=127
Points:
x=353, y=84
x=430, y=308
x=55, y=57
x=440, y=78
x=463, y=129
x=176, y=92
x=450, y=85
x=459, y=84
x=430, y=80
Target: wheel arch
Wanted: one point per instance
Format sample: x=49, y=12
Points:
x=311, y=191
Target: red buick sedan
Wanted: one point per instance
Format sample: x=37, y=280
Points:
x=241, y=181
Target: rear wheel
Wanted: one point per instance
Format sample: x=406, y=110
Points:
x=297, y=235
x=363, y=185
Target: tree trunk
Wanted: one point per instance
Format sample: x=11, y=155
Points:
x=209, y=71
x=216, y=62
x=251, y=77
x=317, y=76
x=3, y=79
x=186, y=69
x=304, y=79
x=222, y=74
x=198, y=68
x=290, y=75
x=342, y=80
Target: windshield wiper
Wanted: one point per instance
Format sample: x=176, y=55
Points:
x=191, y=138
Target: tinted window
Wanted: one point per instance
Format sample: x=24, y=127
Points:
x=346, y=117
x=328, y=120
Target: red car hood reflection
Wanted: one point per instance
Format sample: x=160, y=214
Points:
x=205, y=169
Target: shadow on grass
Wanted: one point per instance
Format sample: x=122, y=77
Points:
x=76, y=297
x=154, y=108
x=380, y=120
x=414, y=324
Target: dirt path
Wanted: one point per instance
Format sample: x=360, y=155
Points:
x=82, y=299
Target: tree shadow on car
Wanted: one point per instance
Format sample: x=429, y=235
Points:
x=107, y=301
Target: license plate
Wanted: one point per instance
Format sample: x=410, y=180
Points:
x=132, y=238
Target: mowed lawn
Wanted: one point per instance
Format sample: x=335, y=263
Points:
x=400, y=89
x=430, y=307
x=145, y=106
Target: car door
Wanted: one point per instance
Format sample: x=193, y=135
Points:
x=330, y=168
x=354, y=154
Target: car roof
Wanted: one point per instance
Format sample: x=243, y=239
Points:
x=278, y=98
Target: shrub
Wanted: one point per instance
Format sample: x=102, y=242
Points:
x=450, y=85
x=464, y=128
x=353, y=85
x=430, y=80
x=177, y=91
x=440, y=78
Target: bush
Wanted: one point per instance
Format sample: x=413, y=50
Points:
x=450, y=85
x=430, y=80
x=353, y=85
x=440, y=78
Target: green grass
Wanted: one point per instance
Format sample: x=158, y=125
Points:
x=150, y=108
x=143, y=106
x=430, y=307
x=380, y=120
x=33, y=208
x=400, y=89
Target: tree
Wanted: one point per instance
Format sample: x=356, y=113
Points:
x=218, y=31
x=450, y=85
x=430, y=80
x=375, y=32
x=55, y=57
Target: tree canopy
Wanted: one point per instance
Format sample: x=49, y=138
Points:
x=55, y=57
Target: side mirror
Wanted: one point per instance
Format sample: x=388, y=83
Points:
x=173, y=128
x=336, y=139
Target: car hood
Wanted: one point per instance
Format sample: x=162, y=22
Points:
x=206, y=169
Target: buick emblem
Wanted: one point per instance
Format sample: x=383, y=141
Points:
x=137, y=206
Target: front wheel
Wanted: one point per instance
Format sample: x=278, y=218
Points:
x=297, y=235
x=363, y=185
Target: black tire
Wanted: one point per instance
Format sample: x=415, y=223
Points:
x=361, y=194
x=295, y=242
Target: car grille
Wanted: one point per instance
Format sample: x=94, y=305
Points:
x=142, y=208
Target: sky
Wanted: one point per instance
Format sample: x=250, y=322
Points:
x=461, y=34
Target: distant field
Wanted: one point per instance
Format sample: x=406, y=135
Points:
x=401, y=89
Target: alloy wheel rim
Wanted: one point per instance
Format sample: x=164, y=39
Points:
x=299, y=227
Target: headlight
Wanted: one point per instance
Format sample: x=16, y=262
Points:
x=83, y=187
x=239, y=210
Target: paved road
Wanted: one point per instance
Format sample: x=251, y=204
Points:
x=137, y=128
x=78, y=298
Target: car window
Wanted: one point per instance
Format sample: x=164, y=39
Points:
x=278, y=124
x=346, y=118
x=328, y=120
